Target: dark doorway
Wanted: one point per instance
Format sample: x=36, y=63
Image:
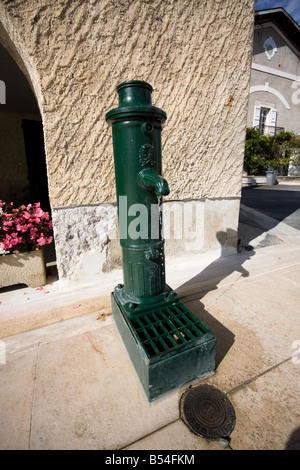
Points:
x=37, y=177
x=36, y=162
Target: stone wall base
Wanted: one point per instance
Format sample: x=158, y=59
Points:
x=87, y=244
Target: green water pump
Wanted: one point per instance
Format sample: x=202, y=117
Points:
x=167, y=343
x=136, y=127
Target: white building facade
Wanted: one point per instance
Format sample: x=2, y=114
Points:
x=274, y=101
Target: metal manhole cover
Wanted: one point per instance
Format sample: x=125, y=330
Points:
x=207, y=412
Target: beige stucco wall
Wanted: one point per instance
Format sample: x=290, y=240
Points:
x=195, y=53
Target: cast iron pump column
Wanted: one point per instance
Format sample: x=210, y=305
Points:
x=136, y=127
x=167, y=343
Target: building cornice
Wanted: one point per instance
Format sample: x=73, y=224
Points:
x=276, y=72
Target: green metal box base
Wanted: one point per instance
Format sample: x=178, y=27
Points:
x=167, y=344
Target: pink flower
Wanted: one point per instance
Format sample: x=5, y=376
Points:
x=24, y=228
x=33, y=233
x=7, y=244
x=41, y=241
x=39, y=212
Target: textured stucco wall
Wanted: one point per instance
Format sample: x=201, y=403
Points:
x=195, y=53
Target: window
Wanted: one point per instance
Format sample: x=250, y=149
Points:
x=265, y=118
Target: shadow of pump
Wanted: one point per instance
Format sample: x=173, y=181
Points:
x=192, y=291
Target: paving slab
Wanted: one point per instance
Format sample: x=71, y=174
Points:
x=268, y=411
x=17, y=387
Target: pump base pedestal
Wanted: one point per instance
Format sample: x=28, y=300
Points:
x=167, y=344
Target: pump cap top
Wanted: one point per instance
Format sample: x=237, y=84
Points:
x=135, y=101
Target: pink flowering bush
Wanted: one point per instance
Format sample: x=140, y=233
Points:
x=25, y=228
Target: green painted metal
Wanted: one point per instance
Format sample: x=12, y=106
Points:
x=168, y=346
x=136, y=129
x=167, y=343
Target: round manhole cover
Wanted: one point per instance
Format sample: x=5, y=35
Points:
x=207, y=412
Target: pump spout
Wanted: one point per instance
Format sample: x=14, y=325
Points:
x=148, y=179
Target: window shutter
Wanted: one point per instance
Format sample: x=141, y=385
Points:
x=256, y=116
x=271, y=121
x=272, y=117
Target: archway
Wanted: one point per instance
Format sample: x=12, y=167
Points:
x=22, y=156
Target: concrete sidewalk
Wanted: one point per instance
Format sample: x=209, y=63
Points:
x=66, y=380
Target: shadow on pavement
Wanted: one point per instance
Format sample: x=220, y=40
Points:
x=281, y=202
x=275, y=204
x=278, y=203
x=192, y=291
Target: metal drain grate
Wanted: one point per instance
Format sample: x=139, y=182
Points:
x=164, y=329
x=207, y=412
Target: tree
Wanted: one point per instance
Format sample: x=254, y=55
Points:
x=269, y=152
x=255, y=152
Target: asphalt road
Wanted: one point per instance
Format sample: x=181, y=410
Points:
x=281, y=202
